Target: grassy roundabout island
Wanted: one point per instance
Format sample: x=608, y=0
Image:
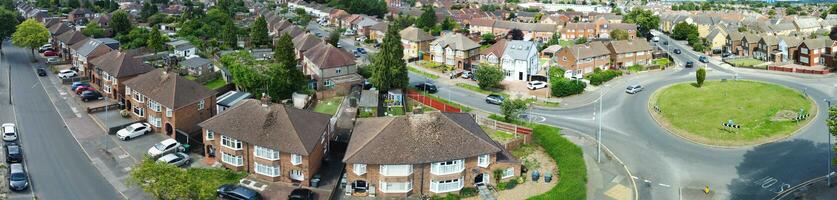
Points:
x=765, y=112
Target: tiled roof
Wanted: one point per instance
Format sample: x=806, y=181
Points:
x=497, y=48
x=119, y=64
x=415, y=34
x=71, y=37
x=520, y=50
x=589, y=50
x=625, y=46
x=195, y=62
x=306, y=41
x=456, y=41
x=326, y=56
x=818, y=43
x=169, y=89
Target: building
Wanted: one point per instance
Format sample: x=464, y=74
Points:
x=271, y=141
x=584, y=58
x=80, y=16
x=332, y=70
x=812, y=51
x=430, y=154
x=111, y=70
x=574, y=31
x=182, y=48
x=84, y=51
x=230, y=99
x=169, y=102
x=520, y=60
x=493, y=54
x=767, y=48
x=305, y=42
x=416, y=42
x=626, y=53
x=201, y=68
x=66, y=40
x=788, y=47
x=749, y=43
x=733, y=43
x=806, y=25
x=454, y=49
x=717, y=38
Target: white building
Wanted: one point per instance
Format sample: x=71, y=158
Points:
x=520, y=60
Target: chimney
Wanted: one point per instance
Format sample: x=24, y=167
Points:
x=265, y=100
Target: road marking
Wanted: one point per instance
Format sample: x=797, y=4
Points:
x=20, y=141
x=664, y=185
x=123, y=156
x=634, y=177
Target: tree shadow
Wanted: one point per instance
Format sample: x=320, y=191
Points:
x=771, y=168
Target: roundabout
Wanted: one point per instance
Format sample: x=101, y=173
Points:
x=731, y=113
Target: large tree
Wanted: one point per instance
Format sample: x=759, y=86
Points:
x=512, y=108
x=258, y=33
x=644, y=19
x=684, y=31
x=92, y=29
x=229, y=36
x=388, y=68
x=619, y=34
x=831, y=121
x=447, y=24
x=30, y=34
x=488, y=76
x=74, y=3
x=160, y=180
x=119, y=23
x=291, y=78
x=427, y=19
x=156, y=40
x=334, y=38
x=8, y=21
x=516, y=34
x=148, y=9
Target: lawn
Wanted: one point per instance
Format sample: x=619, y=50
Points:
x=433, y=66
x=500, y=135
x=744, y=62
x=572, y=182
x=328, y=106
x=762, y=110
x=566, y=43
x=215, y=84
x=423, y=73
x=480, y=90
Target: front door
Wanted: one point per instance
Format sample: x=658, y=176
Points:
x=481, y=179
x=519, y=75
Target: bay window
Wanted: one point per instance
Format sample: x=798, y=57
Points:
x=267, y=170
x=230, y=142
x=447, y=167
x=508, y=172
x=396, y=187
x=446, y=185
x=359, y=169
x=265, y=153
x=396, y=170
x=155, y=121
x=231, y=159
x=483, y=161
x=296, y=159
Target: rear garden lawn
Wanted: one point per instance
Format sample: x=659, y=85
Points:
x=328, y=106
x=215, y=84
x=764, y=111
x=744, y=62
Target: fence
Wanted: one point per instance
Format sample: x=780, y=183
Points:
x=115, y=106
x=74, y=79
x=526, y=132
x=438, y=105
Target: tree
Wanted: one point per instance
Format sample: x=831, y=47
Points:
x=388, y=68
x=119, y=23
x=488, y=76
x=30, y=34
x=92, y=29
x=831, y=121
x=8, y=21
x=74, y=3
x=516, y=34
x=160, y=180
x=404, y=21
x=700, y=75
x=644, y=19
x=487, y=37
x=562, y=87
x=742, y=29
x=581, y=40
x=683, y=31
x=155, y=40
x=292, y=78
x=87, y=4
x=447, y=24
x=229, y=36
x=511, y=108
x=619, y=34
x=148, y=9
x=427, y=19
x=258, y=33
x=333, y=38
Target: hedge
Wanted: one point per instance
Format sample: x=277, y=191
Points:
x=599, y=77
x=572, y=176
x=562, y=87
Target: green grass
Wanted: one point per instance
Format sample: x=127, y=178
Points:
x=395, y=111
x=480, y=90
x=328, y=106
x=190, y=77
x=636, y=68
x=461, y=107
x=215, y=84
x=698, y=113
x=566, y=43
x=423, y=73
x=744, y=62
x=572, y=182
x=523, y=151
x=441, y=68
x=207, y=180
x=543, y=103
x=501, y=135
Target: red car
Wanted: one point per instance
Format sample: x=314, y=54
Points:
x=50, y=53
x=83, y=88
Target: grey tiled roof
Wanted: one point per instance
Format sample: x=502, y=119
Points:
x=169, y=89
x=195, y=62
x=520, y=50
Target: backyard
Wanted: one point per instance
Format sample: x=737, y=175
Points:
x=215, y=84
x=328, y=106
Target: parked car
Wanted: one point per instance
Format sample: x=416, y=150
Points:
x=361, y=50
x=164, y=147
x=18, y=180
x=726, y=54
x=77, y=84
x=690, y=64
x=41, y=72
x=495, y=99
x=357, y=54
x=703, y=59
x=66, y=74
x=9, y=132
x=534, y=85
x=633, y=89
x=665, y=42
x=237, y=192
x=45, y=48
x=53, y=60
x=83, y=88
x=301, y=194
x=427, y=87
x=655, y=39
x=90, y=95
x=133, y=131
x=339, y=45
x=50, y=53
x=677, y=51
x=179, y=159
x=467, y=75
x=13, y=153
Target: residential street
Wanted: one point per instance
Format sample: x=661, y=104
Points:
x=58, y=168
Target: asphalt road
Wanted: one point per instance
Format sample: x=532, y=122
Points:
x=58, y=167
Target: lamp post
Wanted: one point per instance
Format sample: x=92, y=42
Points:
x=828, y=173
x=599, y=133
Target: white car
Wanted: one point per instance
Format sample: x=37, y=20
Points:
x=633, y=89
x=9, y=132
x=65, y=74
x=534, y=85
x=133, y=131
x=164, y=147
x=177, y=159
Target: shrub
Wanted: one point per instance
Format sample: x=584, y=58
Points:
x=511, y=184
x=502, y=185
x=468, y=192
x=562, y=87
x=599, y=77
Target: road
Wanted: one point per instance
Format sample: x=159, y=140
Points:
x=58, y=167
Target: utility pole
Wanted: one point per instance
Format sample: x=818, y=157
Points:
x=599, y=134
x=828, y=173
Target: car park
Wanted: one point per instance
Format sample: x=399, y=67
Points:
x=703, y=59
x=18, y=180
x=677, y=51
x=50, y=53
x=427, y=87
x=237, y=192
x=164, y=147
x=13, y=153
x=77, y=84
x=534, y=85
x=301, y=194
x=633, y=89
x=83, y=88
x=41, y=72
x=66, y=74
x=90, y=95
x=690, y=64
x=179, y=159
x=495, y=99
x=9, y=132
x=134, y=130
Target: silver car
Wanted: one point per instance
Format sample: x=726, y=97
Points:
x=9, y=132
x=18, y=179
x=179, y=159
x=633, y=89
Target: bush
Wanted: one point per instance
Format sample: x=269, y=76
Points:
x=502, y=185
x=562, y=87
x=468, y=192
x=597, y=78
x=446, y=197
x=365, y=71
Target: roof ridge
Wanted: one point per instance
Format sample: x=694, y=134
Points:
x=375, y=134
x=492, y=143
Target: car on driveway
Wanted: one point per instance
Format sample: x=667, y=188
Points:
x=44, y=49
x=53, y=60
x=703, y=59
x=495, y=99
x=83, y=88
x=690, y=64
x=467, y=75
x=18, y=180
x=361, y=50
x=677, y=51
x=534, y=85
x=9, y=132
x=66, y=74
x=633, y=89
x=301, y=194
x=77, y=84
x=427, y=87
x=50, y=53
x=90, y=95
x=179, y=159
x=164, y=147
x=41, y=72
x=133, y=131
x=13, y=153
x=237, y=192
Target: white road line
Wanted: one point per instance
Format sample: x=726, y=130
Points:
x=634, y=177
x=664, y=185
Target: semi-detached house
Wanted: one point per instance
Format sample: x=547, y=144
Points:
x=812, y=51
x=66, y=40
x=169, y=102
x=582, y=59
x=625, y=53
x=85, y=51
x=455, y=50
x=110, y=71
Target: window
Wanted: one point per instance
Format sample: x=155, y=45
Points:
x=266, y=153
x=803, y=59
x=396, y=187
x=107, y=88
x=483, y=161
x=138, y=97
x=169, y=112
x=396, y=170
x=297, y=175
x=267, y=170
x=447, y=167
x=338, y=70
x=296, y=159
x=231, y=159
x=230, y=142
x=210, y=135
x=153, y=105
x=509, y=172
x=359, y=169
x=200, y=104
x=155, y=121
x=446, y=185
x=804, y=50
x=329, y=83
x=139, y=111
x=564, y=58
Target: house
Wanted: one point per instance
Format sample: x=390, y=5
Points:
x=432, y=154
x=230, y=99
x=305, y=42
x=604, y=30
x=749, y=44
x=572, y=31
x=584, y=58
x=416, y=42
x=332, y=70
x=378, y=31
x=812, y=51
x=784, y=28
x=201, y=68
x=293, y=31
x=788, y=47
x=66, y=40
x=273, y=142
x=704, y=24
x=520, y=60
x=717, y=38
x=182, y=48
x=111, y=70
x=169, y=102
x=806, y=25
x=531, y=31
x=733, y=43
x=550, y=51
x=57, y=29
x=481, y=25
x=80, y=16
x=455, y=49
x=493, y=53
x=767, y=48
x=88, y=49
x=626, y=53
x=335, y=16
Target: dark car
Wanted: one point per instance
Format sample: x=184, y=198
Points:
x=77, y=84
x=237, y=192
x=301, y=194
x=41, y=72
x=665, y=42
x=50, y=53
x=427, y=87
x=677, y=51
x=703, y=59
x=13, y=153
x=361, y=50
x=690, y=64
x=90, y=95
x=494, y=99
x=18, y=180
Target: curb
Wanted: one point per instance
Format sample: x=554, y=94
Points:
x=785, y=193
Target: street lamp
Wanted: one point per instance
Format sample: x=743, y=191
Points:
x=599, y=133
x=828, y=173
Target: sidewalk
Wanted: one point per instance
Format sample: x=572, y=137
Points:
x=814, y=189
x=608, y=179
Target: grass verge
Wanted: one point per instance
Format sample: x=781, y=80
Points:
x=423, y=73
x=572, y=181
x=480, y=90
x=461, y=107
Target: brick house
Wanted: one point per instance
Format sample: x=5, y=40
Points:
x=56, y=29
x=332, y=70
x=749, y=44
x=423, y=154
x=733, y=44
x=415, y=41
x=79, y=16
x=305, y=42
x=533, y=31
x=274, y=142
x=169, y=102
x=766, y=49
x=84, y=51
x=625, y=53
x=811, y=51
x=584, y=58
x=454, y=49
x=573, y=31
x=111, y=70
x=788, y=47
x=66, y=40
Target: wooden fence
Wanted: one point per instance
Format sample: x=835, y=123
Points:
x=438, y=105
x=523, y=131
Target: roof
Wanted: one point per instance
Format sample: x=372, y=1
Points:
x=735, y=35
x=415, y=34
x=806, y=22
x=483, y=21
x=456, y=41
x=368, y=98
x=520, y=50
x=380, y=26
x=271, y=126
x=552, y=48
x=195, y=62
x=292, y=30
x=419, y=138
x=626, y=46
x=120, y=64
x=770, y=40
x=169, y=89
x=306, y=41
x=751, y=38
x=71, y=37
x=497, y=48
x=592, y=49
x=715, y=33
x=91, y=48
x=326, y=56
x=59, y=28
x=818, y=43
x=533, y=27
x=790, y=40
x=232, y=98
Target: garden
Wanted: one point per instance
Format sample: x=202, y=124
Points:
x=172, y=182
x=328, y=106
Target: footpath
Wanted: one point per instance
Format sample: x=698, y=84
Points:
x=814, y=189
